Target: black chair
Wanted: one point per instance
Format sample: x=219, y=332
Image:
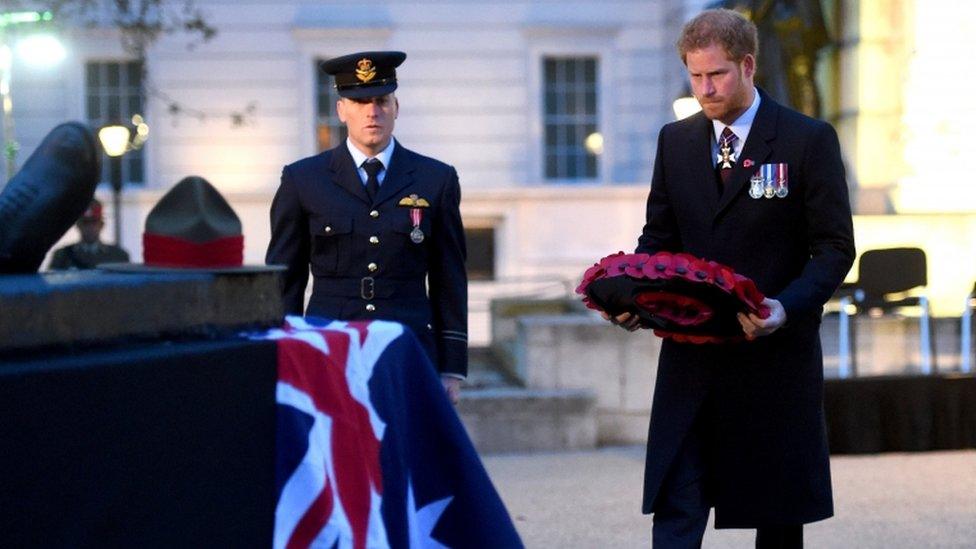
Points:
x=966, y=335
x=885, y=278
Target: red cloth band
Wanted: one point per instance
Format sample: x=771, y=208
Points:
x=167, y=251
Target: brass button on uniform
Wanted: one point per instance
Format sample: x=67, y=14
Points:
x=372, y=267
x=374, y=240
x=370, y=307
x=374, y=214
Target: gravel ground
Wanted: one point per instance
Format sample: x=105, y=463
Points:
x=591, y=499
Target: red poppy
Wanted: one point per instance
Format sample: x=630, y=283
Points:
x=636, y=265
x=657, y=265
x=616, y=264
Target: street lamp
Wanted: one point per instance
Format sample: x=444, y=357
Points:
x=685, y=104
x=117, y=139
x=685, y=107
x=42, y=50
x=34, y=49
x=9, y=145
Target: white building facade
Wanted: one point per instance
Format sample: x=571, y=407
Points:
x=548, y=110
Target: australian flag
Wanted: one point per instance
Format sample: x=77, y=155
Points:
x=370, y=453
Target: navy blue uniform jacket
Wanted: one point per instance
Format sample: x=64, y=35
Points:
x=364, y=264
x=761, y=401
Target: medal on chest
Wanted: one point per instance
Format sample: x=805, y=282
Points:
x=416, y=205
x=771, y=181
x=725, y=155
x=782, y=181
x=756, y=186
x=416, y=235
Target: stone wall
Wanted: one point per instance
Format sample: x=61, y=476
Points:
x=582, y=351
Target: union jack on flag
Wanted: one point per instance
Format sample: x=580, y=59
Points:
x=370, y=453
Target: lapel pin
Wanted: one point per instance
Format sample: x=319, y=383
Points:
x=413, y=201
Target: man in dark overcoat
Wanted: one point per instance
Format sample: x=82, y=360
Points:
x=378, y=224
x=760, y=188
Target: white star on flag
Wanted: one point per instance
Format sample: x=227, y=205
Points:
x=422, y=521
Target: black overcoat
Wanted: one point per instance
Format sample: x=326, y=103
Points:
x=760, y=402
x=363, y=260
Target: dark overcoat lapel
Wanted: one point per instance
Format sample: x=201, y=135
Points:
x=699, y=138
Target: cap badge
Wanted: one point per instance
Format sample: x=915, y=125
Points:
x=365, y=70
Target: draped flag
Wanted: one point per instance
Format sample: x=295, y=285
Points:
x=370, y=453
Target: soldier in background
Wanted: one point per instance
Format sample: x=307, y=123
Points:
x=90, y=251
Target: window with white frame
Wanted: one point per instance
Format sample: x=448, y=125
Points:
x=113, y=94
x=572, y=140
x=329, y=130
x=480, y=261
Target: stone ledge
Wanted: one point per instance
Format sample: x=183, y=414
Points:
x=508, y=313
x=523, y=420
x=92, y=306
x=615, y=427
x=567, y=400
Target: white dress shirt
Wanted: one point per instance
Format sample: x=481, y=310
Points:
x=359, y=157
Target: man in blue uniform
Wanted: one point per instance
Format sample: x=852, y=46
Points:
x=761, y=188
x=379, y=224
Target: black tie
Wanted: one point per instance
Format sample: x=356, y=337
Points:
x=372, y=167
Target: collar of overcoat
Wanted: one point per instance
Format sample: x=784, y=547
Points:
x=757, y=149
x=399, y=174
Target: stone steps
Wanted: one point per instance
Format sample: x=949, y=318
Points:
x=484, y=371
x=502, y=416
x=514, y=419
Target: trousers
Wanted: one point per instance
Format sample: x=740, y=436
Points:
x=683, y=504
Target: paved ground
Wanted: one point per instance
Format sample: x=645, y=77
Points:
x=592, y=500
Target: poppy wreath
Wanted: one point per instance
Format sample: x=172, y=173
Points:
x=680, y=296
